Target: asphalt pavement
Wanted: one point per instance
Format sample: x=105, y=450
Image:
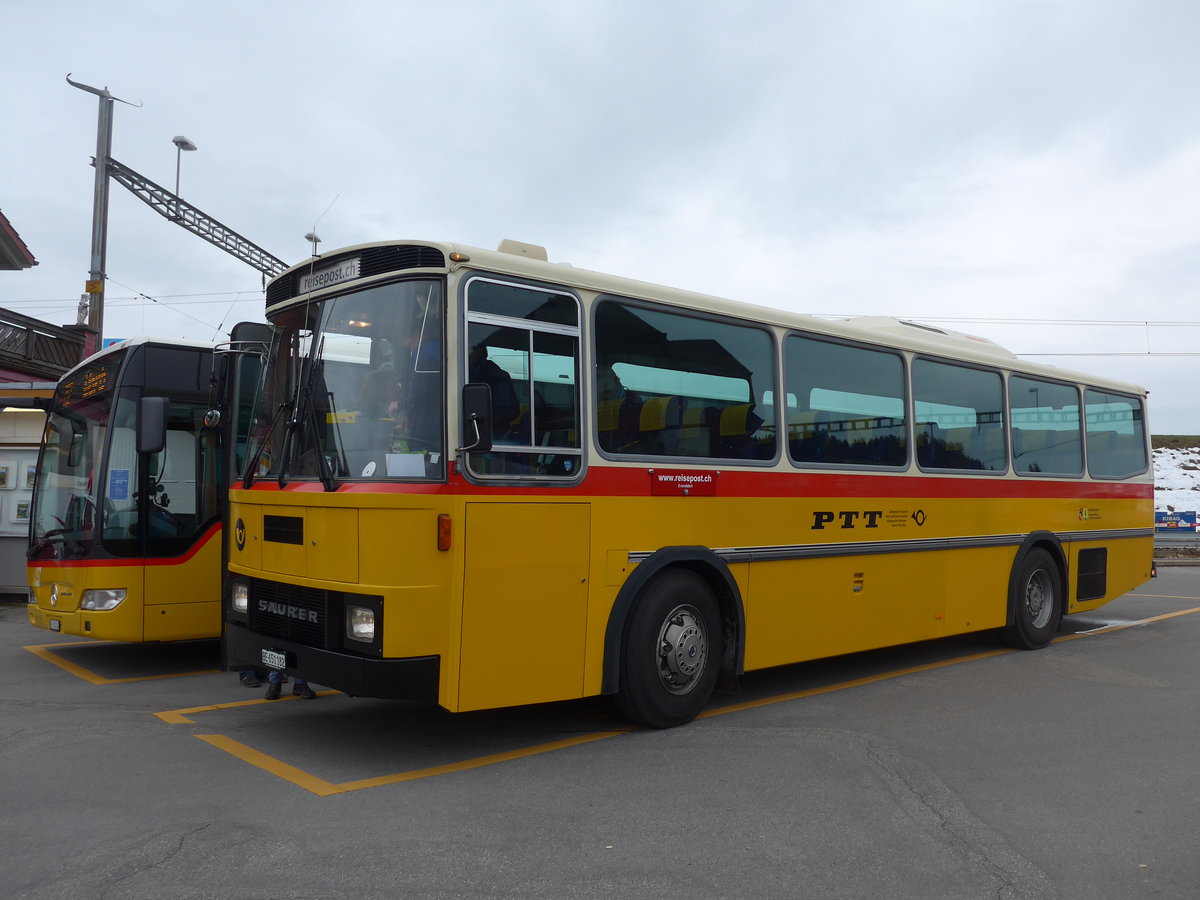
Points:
x=951, y=769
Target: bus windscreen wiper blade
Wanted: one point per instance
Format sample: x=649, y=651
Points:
x=304, y=420
x=256, y=451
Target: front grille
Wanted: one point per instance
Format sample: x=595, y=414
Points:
x=309, y=616
x=289, y=611
x=373, y=261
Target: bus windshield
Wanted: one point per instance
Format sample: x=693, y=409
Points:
x=63, y=514
x=354, y=388
x=63, y=518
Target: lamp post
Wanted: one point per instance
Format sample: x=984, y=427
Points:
x=181, y=143
x=93, y=299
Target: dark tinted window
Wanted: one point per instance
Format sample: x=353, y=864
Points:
x=1116, y=435
x=958, y=417
x=516, y=302
x=844, y=404
x=1044, y=417
x=675, y=385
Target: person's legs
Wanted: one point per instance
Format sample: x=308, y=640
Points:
x=275, y=679
x=301, y=689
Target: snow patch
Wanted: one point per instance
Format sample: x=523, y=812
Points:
x=1177, y=479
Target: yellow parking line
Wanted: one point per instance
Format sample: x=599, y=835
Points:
x=180, y=716
x=843, y=685
x=1164, y=596
x=299, y=777
x=323, y=788
x=480, y=761
x=1121, y=626
x=44, y=651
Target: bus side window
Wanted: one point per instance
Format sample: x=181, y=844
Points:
x=846, y=404
x=688, y=386
x=960, y=417
x=1045, y=422
x=525, y=347
x=1116, y=437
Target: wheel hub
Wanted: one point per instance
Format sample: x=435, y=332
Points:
x=1038, y=598
x=683, y=649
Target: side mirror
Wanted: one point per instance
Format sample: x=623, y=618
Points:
x=477, y=417
x=152, y=424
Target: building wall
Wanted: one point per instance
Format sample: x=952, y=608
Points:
x=20, y=437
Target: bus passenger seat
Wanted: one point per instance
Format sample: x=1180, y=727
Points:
x=658, y=424
x=738, y=424
x=696, y=431
x=608, y=421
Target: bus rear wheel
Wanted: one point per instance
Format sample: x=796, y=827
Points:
x=1037, y=602
x=672, y=651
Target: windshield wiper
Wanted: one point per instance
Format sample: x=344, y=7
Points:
x=255, y=455
x=304, y=419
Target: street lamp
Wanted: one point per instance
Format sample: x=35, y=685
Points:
x=181, y=143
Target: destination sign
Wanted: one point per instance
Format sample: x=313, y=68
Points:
x=93, y=381
x=346, y=270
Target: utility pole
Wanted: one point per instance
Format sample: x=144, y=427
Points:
x=167, y=204
x=95, y=284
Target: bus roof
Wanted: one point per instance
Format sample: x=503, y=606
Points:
x=531, y=261
x=139, y=341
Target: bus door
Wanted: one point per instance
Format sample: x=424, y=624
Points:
x=177, y=501
x=524, y=603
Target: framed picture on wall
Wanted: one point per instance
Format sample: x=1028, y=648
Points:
x=4, y=482
x=21, y=513
x=30, y=475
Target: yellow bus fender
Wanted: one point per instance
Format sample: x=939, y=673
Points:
x=708, y=566
x=1049, y=541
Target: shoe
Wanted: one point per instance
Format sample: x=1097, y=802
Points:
x=303, y=691
x=249, y=680
x=272, y=692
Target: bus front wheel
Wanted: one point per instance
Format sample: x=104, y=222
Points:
x=1037, y=602
x=672, y=651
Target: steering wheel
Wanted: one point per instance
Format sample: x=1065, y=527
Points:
x=162, y=519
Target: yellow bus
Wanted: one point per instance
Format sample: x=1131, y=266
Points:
x=484, y=479
x=125, y=539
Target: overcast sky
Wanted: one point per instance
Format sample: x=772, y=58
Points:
x=1023, y=168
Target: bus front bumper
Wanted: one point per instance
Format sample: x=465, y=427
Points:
x=386, y=679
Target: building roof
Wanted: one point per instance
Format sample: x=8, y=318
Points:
x=13, y=252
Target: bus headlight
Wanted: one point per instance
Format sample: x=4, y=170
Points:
x=240, y=596
x=360, y=624
x=109, y=598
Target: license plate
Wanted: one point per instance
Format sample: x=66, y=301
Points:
x=56, y=625
x=273, y=659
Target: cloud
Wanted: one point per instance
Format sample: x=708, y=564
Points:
x=936, y=158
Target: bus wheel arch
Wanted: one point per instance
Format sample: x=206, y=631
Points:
x=1037, y=592
x=693, y=586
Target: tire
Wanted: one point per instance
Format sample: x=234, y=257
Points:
x=1037, y=601
x=671, y=652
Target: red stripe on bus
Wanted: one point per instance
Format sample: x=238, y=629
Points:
x=612, y=481
x=200, y=543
